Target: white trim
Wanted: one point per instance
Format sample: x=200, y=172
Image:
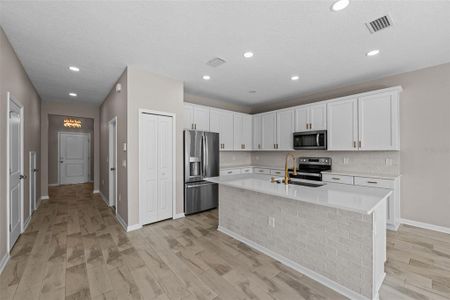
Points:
x=104, y=198
x=113, y=120
x=174, y=156
x=4, y=261
x=88, y=134
x=124, y=224
x=178, y=216
x=26, y=223
x=52, y=184
x=392, y=227
x=426, y=225
x=44, y=198
x=9, y=98
x=299, y=268
x=96, y=192
x=134, y=227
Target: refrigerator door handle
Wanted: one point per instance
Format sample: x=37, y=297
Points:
x=203, y=155
x=206, y=159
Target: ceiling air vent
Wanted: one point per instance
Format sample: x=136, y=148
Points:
x=379, y=24
x=215, y=62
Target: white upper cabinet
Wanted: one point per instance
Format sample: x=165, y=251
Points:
x=318, y=116
x=188, y=116
x=368, y=122
x=269, y=130
x=311, y=117
x=221, y=121
x=196, y=117
x=257, y=132
x=285, y=129
x=379, y=122
x=343, y=124
x=242, y=131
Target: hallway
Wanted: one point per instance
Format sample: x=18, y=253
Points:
x=75, y=249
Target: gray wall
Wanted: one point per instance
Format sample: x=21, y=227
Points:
x=55, y=125
x=153, y=92
x=115, y=105
x=13, y=79
x=76, y=109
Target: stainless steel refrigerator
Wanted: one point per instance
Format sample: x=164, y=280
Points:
x=201, y=160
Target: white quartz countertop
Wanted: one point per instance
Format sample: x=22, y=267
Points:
x=347, y=197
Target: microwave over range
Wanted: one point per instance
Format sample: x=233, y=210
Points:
x=310, y=140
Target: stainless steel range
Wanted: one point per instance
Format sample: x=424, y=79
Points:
x=310, y=168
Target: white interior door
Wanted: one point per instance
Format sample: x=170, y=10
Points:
x=73, y=158
x=156, y=168
x=15, y=173
x=32, y=172
x=112, y=163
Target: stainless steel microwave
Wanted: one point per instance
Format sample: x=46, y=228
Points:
x=310, y=140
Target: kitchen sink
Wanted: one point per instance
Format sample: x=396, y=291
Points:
x=302, y=183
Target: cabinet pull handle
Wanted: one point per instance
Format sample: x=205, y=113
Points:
x=229, y=172
x=335, y=178
x=372, y=182
x=354, y=144
x=359, y=144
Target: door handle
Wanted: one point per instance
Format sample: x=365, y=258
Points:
x=35, y=170
x=61, y=161
x=113, y=169
x=22, y=176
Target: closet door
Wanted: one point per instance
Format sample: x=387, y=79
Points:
x=156, y=168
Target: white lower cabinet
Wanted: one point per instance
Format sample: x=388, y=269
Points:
x=393, y=202
x=156, y=168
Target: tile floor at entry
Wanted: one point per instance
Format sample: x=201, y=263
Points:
x=75, y=249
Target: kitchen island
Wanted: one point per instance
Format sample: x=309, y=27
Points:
x=334, y=233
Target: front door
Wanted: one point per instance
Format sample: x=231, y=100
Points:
x=15, y=172
x=73, y=158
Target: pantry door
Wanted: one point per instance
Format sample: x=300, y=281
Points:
x=156, y=162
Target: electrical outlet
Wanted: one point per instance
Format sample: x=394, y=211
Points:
x=346, y=160
x=388, y=161
x=124, y=163
x=120, y=197
x=272, y=222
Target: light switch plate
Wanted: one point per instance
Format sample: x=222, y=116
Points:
x=124, y=146
x=124, y=163
x=346, y=160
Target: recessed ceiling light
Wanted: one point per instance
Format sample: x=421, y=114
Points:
x=340, y=5
x=73, y=94
x=206, y=77
x=295, y=77
x=248, y=54
x=373, y=52
x=74, y=69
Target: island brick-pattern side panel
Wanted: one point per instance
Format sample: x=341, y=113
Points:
x=332, y=242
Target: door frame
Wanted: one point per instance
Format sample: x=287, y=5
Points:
x=32, y=173
x=10, y=99
x=113, y=120
x=174, y=157
x=88, y=134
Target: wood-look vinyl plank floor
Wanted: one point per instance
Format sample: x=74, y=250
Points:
x=75, y=249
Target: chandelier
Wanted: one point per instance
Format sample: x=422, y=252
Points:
x=72, y=123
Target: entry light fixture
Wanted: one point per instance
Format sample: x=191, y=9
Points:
x=373, y=52
x=72, y=123
x=248, y=54
x=206, y=77
x=73, y=94
x=295, y=77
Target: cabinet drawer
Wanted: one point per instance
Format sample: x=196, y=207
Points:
x=374, y=182
x=337, y=178
x=276, y=172
x=247, y=170
x=262, y=171
x=230, y=172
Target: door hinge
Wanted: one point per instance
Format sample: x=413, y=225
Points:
x=9, y=227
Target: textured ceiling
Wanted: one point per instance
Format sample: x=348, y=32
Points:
x=326, y=49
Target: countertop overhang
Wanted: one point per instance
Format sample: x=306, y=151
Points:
x=347, y=197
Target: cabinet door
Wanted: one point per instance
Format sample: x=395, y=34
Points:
x=226, y=129
x=318, y=117
x=247, y=132
x=285, y=128
x=238, y=121
x=201, y=118
x=257, y=132
x=301, y=119
x=342, y=124
x=378, y=122
x=188, y=116
x=268, y=129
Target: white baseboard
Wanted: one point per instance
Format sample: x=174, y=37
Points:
x=26, y=223
x=392, y=226
x=3, y=262
x=43, y=198
x=124, y=224
x=426, y=225
x=178, y=216
x=96, y=191
x=299, y=268
x=53, y=184
x=104, y=198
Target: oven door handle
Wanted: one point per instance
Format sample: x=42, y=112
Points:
x=309, y=174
